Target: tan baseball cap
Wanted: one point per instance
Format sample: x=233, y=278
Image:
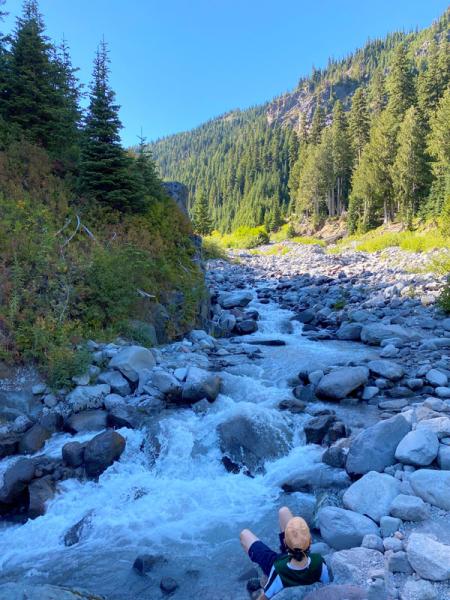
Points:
x=297, y=534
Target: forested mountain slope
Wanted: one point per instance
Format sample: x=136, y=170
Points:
x=293, y=156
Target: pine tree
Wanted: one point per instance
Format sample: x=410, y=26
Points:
x=105, y=169
x=429, y=82
x=200, y=217
x=342, y=160
x=439, y=149
x=317, y=124
x=400, y=84
x=146, y=173
x=359, y=124
x=32, y=99
x=377, y=93
x=410, y=174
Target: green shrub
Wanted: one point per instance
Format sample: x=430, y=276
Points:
x=211, y=249
x=444, y=300
x=241, y=238
x=63, y=363
x=308, y=240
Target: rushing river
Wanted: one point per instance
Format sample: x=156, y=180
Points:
x=184, y=505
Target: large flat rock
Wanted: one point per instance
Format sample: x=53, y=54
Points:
x=341, y=382
x=372, y=495
x=342, y=528
x=432, y=486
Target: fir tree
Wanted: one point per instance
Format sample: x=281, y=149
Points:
x=429, y=82
x=439, y=149
x=317, y=124
x=147, y=176
x=33, y=101
x=410, y=174
x=377, y=93
x=400, y=84
x=359, y=124
x=105, y=169
x=342, y=160
x=200, y=218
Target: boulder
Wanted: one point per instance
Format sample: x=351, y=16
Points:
x=341, y=382
x=73, y=454
x=200, y=384
x=35, y=591
x=372, y=495
x=309, y=477
x=246, y=327
x=349, y=331
x=437, y=378
x=116, y=381
x=418, y=589
x=166, y=383
x=338, y=592
x=397, y=562
x=102, y=451
x=440, y=426
x=342, y=528
x=409, y=508
x=52, y=422
x=429, y=559
x=87, y=420
x=235, y=299
x=144, y=563
x=432, y=486
x=76, y=532
x=250, y=442
x=443, y=457
x=353, y=566
x=374, y=448
x=389, y=525
x=375, y=333
x=15, y=480
x=131, y=361
x=40, y=492
x=9, y=444
x=418, y=448
x=386, y=368
x=87, y=396
x=317, y=428
x=34, y=439
x=373, y=542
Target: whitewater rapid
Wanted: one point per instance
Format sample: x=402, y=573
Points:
x=184, y=504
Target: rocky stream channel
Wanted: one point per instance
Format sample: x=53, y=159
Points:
x=325, y=386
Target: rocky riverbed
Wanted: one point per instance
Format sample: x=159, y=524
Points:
x=324, y=386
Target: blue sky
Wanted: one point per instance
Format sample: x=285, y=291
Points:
x=177, y=63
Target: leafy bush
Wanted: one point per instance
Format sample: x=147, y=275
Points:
x=308, y=240
x=242, y=238
x=63, y=363
x=411, y=241
x=211, y=249
x=444, y=299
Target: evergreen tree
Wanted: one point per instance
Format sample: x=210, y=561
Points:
x=400, y=83
x=293, y=149
x=359, y=124
x=32, y=99
x=429, y=82
x=317, y=124
x=410, y=174
x=146, y=173
x=439, y=150
x=377, y=93
x=105, y=169
x=201, y=219
x=342, y=160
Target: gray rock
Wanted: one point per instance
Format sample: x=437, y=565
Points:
x=373, y=542
x=35, y=591
x=341, y=382
x=34, y=439
x=9, y=444
x=235, y=299
x=392, y=544
x=40, y=492
x=437, y=378
x=132, y=360
x=167, y=384
x=440, y=426
x=116, y=381
x=200, y=384
x=305, y=505
x=432, y=486
x=442, y=392
x=386, y=368
x=145, y=563
x=87, y=420
x=312, y=476
x=87, y=396
x=168, y=585
x=338, y=592
x=342, y=528
x=372, y=495
x=73, y=454
x=418, y=589
x=100, y=452
x=77, y=531
x=317, y=427
x=389, y=525
x=246, y=327
x=429, y=558
x=353, y=566
x=418, y=448
x=15, y=480
x=374, y=448
x=349, y=331
x=443, y=457
x=397, y=562
x=370, y=391
x=409, y=508
x=375, y=333
x=38, y=389
x=250, y=442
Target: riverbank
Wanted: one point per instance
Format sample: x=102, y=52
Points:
x=346, y=352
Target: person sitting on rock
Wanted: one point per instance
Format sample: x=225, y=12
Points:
x=295, y=565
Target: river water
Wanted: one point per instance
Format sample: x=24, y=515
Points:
x=184, y=505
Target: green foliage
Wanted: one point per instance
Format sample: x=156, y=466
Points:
x=400, y=82
x=211, y=249
x=242, y=238
x=444, y=298
x=63, y=363
x=200, y=214
x=410, y=241
x=308, y=241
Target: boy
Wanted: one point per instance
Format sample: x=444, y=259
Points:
x=295, y=565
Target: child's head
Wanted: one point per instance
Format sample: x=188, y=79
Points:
x=297, y=538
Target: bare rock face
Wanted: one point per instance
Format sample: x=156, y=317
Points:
x=178, y=192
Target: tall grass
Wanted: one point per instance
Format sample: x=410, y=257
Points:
x=409, y=241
